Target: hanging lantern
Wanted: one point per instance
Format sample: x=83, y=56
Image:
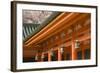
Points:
x=52, y=54
x=36, y=57
x=42, y=56
x=62, y=49
x=77, y=44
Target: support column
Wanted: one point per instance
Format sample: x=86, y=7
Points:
x=73, y=50
x=42, y=57
x=36, y=57
x=49, y=56
x=59, y=54
x=74, y=56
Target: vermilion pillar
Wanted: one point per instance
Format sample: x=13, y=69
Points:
x=73, y=50
x=73, y=47
x=49, y=56
x=59, y=54
x=36, y=57
x=42, y=57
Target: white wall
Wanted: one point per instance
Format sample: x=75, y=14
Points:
x=5, y=37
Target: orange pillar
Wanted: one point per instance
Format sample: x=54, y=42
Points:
x=59, y=55
x=42, y=57
x=73, y=50
x=49, y=56
x=73, y=47
x=36, y=57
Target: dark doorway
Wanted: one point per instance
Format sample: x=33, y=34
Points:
x=79, y=55
x=87, y=53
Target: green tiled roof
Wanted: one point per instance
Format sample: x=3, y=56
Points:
x=30, y=29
